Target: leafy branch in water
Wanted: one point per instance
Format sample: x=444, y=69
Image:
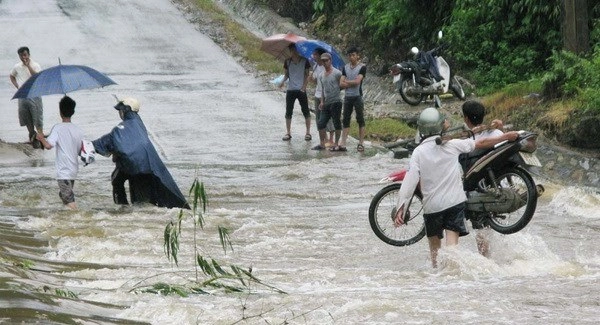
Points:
x=230, y=278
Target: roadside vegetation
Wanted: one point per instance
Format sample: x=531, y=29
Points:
x=511, y=51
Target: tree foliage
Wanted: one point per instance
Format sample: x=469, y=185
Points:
x=502, y=41
x=492, y=42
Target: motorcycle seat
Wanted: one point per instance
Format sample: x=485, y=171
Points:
x=467, y=160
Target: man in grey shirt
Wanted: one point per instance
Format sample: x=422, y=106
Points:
x=331, y=104
x=296, y=72
x=353, y=74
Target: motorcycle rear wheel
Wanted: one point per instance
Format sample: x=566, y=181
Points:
x=381, y=217
x=405, y=83
x=519, y=180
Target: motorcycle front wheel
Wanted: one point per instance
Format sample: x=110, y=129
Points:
x=381, y=217
x=405, y=83
x=457, y=89
x=520, y=181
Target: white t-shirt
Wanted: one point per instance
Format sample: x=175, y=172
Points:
x=489, y=133
x=21, y=72
x=66, y=139
x=439, y=172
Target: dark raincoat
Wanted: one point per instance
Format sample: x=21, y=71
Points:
x=134, y=154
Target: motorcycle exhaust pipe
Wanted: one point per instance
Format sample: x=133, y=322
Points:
x=539, y=189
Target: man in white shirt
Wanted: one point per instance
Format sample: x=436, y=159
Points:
x=31, y=110
x=437, y=169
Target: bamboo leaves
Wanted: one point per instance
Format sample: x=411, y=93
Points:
x=232, y=278
x=171, y=238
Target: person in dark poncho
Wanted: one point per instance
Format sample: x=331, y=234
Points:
x=137, y=161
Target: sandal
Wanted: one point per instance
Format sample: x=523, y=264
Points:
x=318, y=147
x=308, y=137
x=360, y=148
x=286, y=137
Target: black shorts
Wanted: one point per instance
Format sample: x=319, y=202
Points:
x=452, y=219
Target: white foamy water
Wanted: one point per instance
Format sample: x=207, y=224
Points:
x=297, y=217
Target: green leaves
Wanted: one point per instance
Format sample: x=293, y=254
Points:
x=232, y=278
x=510, y=43
x=171, y=242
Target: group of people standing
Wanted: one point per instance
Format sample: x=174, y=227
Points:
x=332, y=115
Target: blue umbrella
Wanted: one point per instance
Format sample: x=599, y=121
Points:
x=62, y=79
x=306, y=48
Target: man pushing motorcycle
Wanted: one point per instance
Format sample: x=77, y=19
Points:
x=436, y=169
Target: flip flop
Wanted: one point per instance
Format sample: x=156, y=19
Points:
x=308, y=137
x=360, y=148
x=286, y=137
x=338, y=148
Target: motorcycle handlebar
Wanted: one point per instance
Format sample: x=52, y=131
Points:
x=438, y=49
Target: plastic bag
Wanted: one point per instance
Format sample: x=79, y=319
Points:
x=87, y=153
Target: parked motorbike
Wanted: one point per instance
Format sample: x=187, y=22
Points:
x=498, y=184
x=427, y=75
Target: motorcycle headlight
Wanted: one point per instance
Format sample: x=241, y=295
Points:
x=529, y=144
x=395, y=70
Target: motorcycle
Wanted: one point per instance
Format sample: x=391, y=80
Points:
x=427, y=75
x=498, y=184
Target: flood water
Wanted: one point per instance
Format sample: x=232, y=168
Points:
x=297, y=217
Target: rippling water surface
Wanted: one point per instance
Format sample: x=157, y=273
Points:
x=297, y=217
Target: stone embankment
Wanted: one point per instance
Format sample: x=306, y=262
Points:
x=560, y=164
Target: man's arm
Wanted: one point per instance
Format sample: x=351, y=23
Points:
x=492, y=141
x=354, y=82
x=13, y=80
x=305, y=83
x=44, y=142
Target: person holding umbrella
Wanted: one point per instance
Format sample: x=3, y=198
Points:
x=296, y=72
x=31, y=110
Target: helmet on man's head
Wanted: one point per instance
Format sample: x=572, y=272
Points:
x=431, y=122
x=128, y=103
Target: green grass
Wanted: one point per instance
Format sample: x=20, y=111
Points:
x=244, y=43
x=383, y=129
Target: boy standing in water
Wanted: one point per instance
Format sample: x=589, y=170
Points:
x=296, y=72
x=353, y=75
x=67, y=138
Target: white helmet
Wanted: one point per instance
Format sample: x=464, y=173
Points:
x=431, y=122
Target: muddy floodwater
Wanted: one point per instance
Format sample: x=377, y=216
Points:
x=297, y=217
